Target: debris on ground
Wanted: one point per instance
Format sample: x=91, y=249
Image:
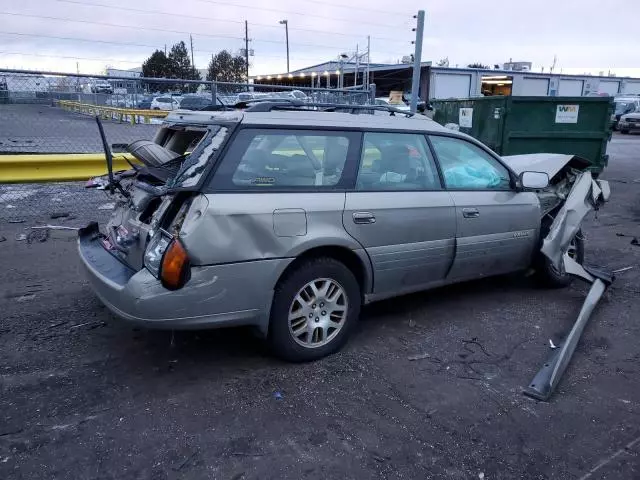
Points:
x=3, y=239
x=107, y=206
x=634, y=241
x=17, y=220
x=277, y=395
x=39, y=235
x=20, y=237
x=55, y=215
x=552, y=345
x=624, y=269
x=54, y=227
x=422, y=356
x=26, y=298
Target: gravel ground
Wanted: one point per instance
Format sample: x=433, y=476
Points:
x=429, y=387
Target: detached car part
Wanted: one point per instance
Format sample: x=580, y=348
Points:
x=586, y=194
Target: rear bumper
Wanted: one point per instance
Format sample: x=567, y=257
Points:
x=215, y=296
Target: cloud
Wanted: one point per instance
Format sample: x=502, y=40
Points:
x=55, y=34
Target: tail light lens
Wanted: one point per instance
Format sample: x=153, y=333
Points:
x=167, y=259
x=175, y=269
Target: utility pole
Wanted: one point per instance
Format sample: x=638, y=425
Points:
x=368, y=58
x=165, y=49
x=415, y=82
x=246, y=47
x=286, y=32
x=355, y=75
x=193, y=64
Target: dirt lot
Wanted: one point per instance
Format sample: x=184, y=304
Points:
x=83, y=396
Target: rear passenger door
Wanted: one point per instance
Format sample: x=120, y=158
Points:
x=400, y=213
x=497, y=226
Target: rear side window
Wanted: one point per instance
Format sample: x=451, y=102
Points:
x=396, y=161
x=275, y=159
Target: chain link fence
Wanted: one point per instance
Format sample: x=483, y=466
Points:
x=51, y=113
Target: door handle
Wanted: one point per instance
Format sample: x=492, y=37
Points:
x=362, y=218
x=470, y=213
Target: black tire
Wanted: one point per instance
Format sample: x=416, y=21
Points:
x=549, y=277
x=281, y=339
x=625, y=132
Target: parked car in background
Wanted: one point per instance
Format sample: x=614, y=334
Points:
x=629, y=122
x=290, y=221
x=165, y=103
x=198, y=102
x=144, y=103
x=101, y=86
x=624, y=105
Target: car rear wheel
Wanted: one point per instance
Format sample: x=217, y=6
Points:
x=314, y=310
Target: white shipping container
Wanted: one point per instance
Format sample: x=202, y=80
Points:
x=570, y=87
x=609, y=87
x=534, y=87
x=451, y=85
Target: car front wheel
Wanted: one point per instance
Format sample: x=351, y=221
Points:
x=314, y=310
x=550, y=276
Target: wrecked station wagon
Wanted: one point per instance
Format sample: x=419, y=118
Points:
x=289, y=220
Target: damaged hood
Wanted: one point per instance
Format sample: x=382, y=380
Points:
x=549, y=163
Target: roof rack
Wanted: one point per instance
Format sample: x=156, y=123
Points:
x=298, y=105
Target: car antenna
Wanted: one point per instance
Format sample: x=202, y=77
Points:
x=113, y=183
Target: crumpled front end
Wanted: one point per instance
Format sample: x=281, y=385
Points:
x=586, y=195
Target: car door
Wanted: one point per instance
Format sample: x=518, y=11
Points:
x=400, y=213
x=497, y=227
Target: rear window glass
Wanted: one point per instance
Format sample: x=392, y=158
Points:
x=263, y=159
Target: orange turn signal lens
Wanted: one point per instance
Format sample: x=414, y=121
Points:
x=175, y=269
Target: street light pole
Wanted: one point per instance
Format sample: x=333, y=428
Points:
x=286, y=30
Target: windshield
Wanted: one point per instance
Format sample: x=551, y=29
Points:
x=624, y=107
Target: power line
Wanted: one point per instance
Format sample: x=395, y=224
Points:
x=304, y=14
x=163, y=30
x=200, y=17
x=75, y=39
x=126, y=44
x=102, y=59
x=365, y=9
x=91, y=22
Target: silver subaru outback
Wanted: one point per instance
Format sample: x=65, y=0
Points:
x=291, y=220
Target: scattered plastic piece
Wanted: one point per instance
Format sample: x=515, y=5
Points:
x=55, y=215
x=277, y=395
x=634, y=241
x=551, y=344
x=107, y=206
x=21, y=237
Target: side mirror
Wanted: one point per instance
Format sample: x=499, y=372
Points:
x=534, y=180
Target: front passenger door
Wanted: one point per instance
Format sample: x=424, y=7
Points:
x=497, y=228
x=400, y=214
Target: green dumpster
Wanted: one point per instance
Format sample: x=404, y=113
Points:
x=516, y=125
